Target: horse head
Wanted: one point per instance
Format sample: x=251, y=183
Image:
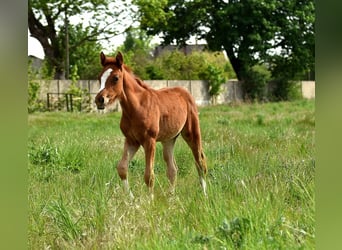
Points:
x=111, y=80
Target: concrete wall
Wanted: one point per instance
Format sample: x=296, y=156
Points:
x=230, y=92
x=308, y=89
x=198, y=88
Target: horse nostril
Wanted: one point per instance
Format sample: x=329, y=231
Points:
x=100, y=99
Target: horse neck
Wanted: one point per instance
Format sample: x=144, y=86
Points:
x=131, y=92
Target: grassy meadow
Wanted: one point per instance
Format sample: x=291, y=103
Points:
x=261, y=192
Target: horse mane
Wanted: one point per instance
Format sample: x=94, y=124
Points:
x=137, y=79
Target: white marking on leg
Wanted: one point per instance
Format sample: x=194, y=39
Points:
x=126, y=185
x=104, y=78
x=126, y=188
x=204, y=185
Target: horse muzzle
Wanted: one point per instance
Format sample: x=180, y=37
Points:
x=100, y=102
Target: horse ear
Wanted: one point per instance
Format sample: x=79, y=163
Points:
x=119, y=59
x=103, y=58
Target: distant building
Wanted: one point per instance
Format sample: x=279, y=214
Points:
x=187, y=49
x=36, y=62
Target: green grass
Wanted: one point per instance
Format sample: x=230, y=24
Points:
x=261, y=160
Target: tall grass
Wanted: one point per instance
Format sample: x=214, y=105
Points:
x=261, y=160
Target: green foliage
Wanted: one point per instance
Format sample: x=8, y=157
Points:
x=155, y=17
x=154, y=72
x=170, y=65
x=256, y=83
x=81, y=98
x=285, y=89
x=46, y=72
x=137, y=51
x=285, y=82
x=251, y=32
x=47, y=21
x=33, y=102
x=84, y=56
x=261, y=183
x=216, y=78
x=74, y=74
x=175, y=65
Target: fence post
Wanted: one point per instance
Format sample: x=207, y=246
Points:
x=67, y=101
x=48, y=101
x=71, y=104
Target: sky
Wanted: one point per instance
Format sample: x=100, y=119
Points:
x=34, y=48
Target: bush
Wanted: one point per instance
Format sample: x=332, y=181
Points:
x=286, y=90
x=81, y=98
x=215, y=78
x=153, y=72
x=175, y=65
x=255, y=83
x=33, y=102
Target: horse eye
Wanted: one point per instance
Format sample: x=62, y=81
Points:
x=115, y=78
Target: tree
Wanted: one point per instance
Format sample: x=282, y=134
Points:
x=49, y=21
x=137, y=50
x=250, y=31
x=175, y=65
x=84, y=58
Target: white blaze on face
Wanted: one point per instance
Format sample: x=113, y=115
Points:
x=104, y=78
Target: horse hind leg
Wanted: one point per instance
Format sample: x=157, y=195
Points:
x=168, y=155
x=192, y=135
x=201, y=165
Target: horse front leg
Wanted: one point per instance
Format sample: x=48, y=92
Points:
x=149, y=148
x=122, y=168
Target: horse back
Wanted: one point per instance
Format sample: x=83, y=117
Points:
x=161, y=114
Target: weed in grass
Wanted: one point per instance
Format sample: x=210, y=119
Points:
x=234, y=230
x=43, y=154
x=63, y=221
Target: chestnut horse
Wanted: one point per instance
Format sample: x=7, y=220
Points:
x=149, y=116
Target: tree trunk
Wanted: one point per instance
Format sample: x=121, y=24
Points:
x=236, y=63
x=47, y=36
x=241, y=70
